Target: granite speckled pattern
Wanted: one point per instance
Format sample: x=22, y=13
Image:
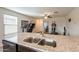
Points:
x=64, y=43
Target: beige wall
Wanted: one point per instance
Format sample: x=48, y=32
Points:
x=73, y=26
x=60, y=21
x=38, y=25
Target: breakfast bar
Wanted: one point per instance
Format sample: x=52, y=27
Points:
x=63, y=43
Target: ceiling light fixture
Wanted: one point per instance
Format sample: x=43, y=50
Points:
x=45, y=17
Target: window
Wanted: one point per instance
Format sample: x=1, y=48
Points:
x=10, y=26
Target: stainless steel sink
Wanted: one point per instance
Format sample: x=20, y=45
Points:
x=44, y=42
x=41, y=42
x=32, y=40
x=36, y=40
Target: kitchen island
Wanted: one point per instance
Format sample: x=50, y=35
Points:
x=64, y=43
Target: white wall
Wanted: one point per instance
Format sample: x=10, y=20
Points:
x=12, y=13
x=60, y=22
x=73, y=26
x=1, y=27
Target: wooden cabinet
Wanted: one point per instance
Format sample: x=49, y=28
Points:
x=9, y=46
x=25, y=49
x=12, y=47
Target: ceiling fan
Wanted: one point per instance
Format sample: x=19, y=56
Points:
x=46, y=16
x=49, y=15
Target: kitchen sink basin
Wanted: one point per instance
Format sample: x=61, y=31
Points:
x=41, y=42
x=32, y=40
x=48, y=43
x=36, y=40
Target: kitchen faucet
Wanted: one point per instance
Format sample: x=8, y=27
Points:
x=42, y=33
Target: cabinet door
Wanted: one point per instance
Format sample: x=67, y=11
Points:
x=9, y=46
x=25, y=49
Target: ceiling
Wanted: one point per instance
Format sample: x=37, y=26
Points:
x=40, y=11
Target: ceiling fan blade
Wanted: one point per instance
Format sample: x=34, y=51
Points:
x=49, y=16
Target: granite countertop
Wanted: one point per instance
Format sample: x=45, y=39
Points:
x=64, y=43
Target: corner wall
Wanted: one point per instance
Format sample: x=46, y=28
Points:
x=60, y=23
x=73, y=26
